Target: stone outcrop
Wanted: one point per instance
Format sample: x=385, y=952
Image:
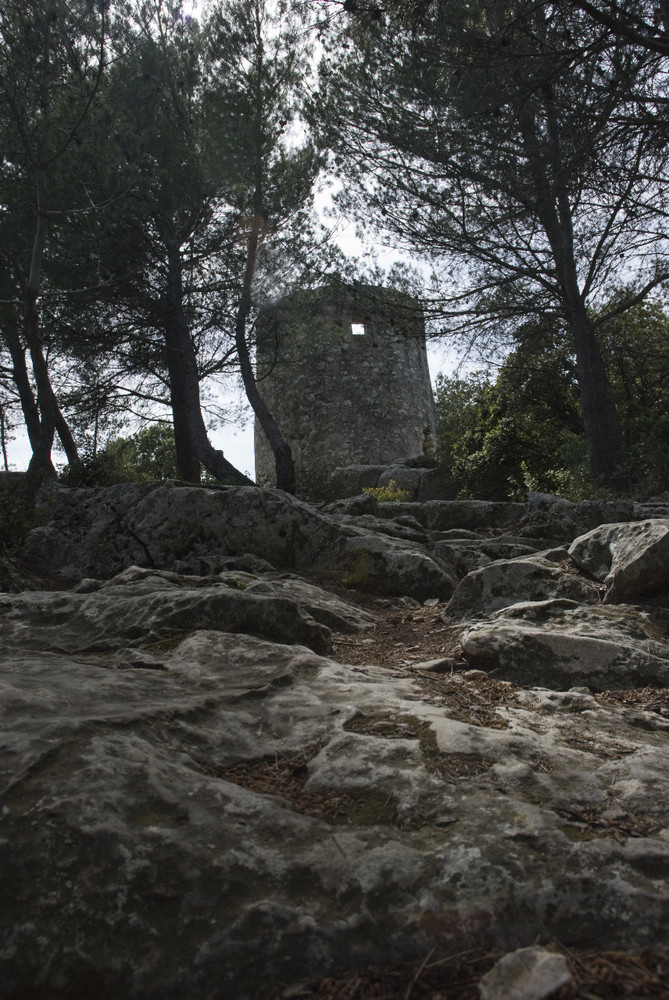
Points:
x=98, y=533
x=199, y=800
x=558, y=643
x=504, y=582
x=632, y=560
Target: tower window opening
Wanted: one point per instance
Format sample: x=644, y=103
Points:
x=358, y=329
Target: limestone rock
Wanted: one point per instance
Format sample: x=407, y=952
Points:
x=407, y=528
x=194, y=801
x=98, y=533
x=562, y=520
x=361, y=503
x=651, y=509
x=140, y=607
x=228, y=813
x=401, y=568
x=473, y=515
x=405, y=478
x=323, y=606
x=508, y=581
x=632, y=560
x=13, y=576
x=526, y=974
x=559, y=644
x=466, y=555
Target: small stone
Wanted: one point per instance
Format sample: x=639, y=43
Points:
x=445, y=819
x=442, y=665
x=431, y=602
x=527, y=974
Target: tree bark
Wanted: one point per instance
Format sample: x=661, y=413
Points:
x=21, y=380
x=609, y=463
x=283, y=456
x=608, y=460
x=51, y=418
x=190, y=433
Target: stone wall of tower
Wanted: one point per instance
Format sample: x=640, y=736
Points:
x=345, y=376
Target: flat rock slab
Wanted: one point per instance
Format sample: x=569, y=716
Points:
x=226, y=814
x=559, y=644
x=140, y=607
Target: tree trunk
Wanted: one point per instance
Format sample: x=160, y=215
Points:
x=609, y=461
x=21, y=380
x=51, y=417
x=190, y=433
x=283, y=456
x=3, y=438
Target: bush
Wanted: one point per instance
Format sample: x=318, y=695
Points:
x=523, y=429
x=389, y=493
x=146, y=456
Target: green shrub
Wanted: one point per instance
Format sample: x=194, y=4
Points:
x=391, y=492
x=146, y=456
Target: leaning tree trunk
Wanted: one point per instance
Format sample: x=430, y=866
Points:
x=21, y=380
x=609, y=461
x=190, y=433
x=283, y=456
x=51, y=416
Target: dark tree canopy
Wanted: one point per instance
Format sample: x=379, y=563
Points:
x=515, y=157
x=157, y=188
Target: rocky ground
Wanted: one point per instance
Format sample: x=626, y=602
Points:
x=254, y=749
x=417, y=638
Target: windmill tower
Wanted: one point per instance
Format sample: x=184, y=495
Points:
x=345, y=376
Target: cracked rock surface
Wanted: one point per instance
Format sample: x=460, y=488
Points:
x=199, y=799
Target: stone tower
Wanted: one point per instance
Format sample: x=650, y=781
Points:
x=345, y=375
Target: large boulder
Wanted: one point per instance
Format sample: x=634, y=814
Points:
x=506, y=581
x=100, y=532
x=632, y=560
x=559, y=644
